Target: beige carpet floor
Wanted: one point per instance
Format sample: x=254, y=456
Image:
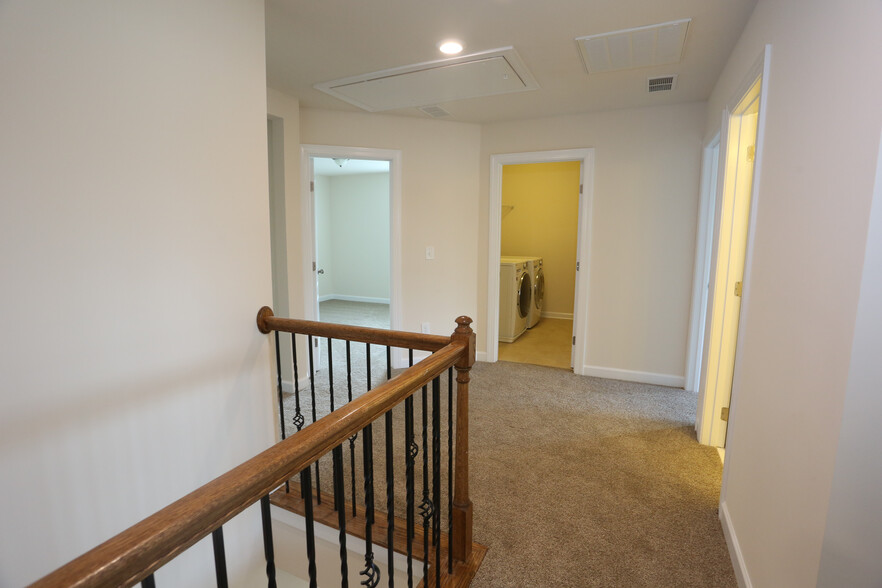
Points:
x=575, y=481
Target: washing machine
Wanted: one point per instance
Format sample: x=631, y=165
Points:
x=515, y=299
x=534, y=266
x=537, y=296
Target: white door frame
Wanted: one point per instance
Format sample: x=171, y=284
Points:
x=494, y=241
x=704, y=246
x=307, y=222
x=707, y=403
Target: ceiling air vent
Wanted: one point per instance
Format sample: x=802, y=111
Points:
x=662, y=84
x=435, y=111
x=639, y=47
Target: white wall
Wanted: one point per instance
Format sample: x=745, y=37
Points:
x=797, y=331
x=850, y=555
x=134, y=246
x=285, y=111
x=440, y=162
x=643, y=231
x=358, y=237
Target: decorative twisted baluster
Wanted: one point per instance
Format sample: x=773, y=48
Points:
x=371, y=572
x=298, y=419
x=426, y=506
x=281, y=400
x=411, y=452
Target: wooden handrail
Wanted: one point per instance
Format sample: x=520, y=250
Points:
x=266, y=322
x=140, y=550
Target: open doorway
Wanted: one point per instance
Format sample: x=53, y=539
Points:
x=539, y=240
x=727, y=293
x=577, y=335
x=351, y=236
x=352, y=221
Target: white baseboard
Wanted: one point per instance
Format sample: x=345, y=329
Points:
x=741, y=574
x=481, y=356
x=634, y=376
x=302, y=383
x=349, y=298
x=557, y=315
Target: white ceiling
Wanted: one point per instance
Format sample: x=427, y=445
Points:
x=310, y=42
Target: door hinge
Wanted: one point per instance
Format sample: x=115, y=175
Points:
x=312, y=186
x=574, y=339
x=313, y=266
x=577, y=266
x=737, y=288
x=724, y=413
x=580, y=188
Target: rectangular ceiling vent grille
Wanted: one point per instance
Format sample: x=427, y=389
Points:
x=435, y=111
x=632, y=48
x=662, y=83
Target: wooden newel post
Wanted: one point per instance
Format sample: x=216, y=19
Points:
x=462, y=504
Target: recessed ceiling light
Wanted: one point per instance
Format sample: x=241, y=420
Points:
x=450, y=47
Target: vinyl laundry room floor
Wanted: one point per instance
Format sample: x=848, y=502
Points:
x=549, y=343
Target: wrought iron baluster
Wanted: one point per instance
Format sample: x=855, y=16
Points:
x=390, y=487
x=436, y=475
x=390, y=500
x=268, y=552
x=449, y=470
x=340, y=506
x=331, y=371
x=370, y=572
x=298, y=419
x=367, y=347
x=279, y=385
x=411, y=450
x=318, y=482
x=426, y=507
x=148, y=582
x=306, y=476
x=220, y=556
x=355, y=436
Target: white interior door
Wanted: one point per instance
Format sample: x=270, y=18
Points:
x=738, y=182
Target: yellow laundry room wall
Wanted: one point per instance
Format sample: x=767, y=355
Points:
x=540, y=211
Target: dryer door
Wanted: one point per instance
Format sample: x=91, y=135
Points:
x=539, y=290
x=525, y=290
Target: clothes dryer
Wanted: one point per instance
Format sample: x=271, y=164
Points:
x=534, y=266
x=515, y=299
x=537, y=295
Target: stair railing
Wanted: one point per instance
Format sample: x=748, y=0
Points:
x=135, y=554
x=458, y=536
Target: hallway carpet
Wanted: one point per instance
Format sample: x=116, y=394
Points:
x=580, y=481
x=576, y=481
